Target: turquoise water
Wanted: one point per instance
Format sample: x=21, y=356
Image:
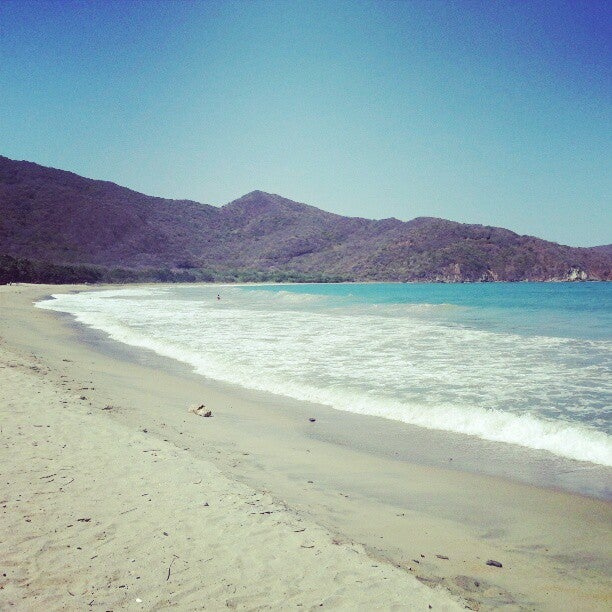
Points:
x=526, y=364
x=571, y=310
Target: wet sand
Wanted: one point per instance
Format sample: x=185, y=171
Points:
x=372, y=485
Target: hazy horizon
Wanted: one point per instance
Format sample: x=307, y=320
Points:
x=478, y=112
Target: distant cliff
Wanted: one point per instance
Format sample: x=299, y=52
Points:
x=61, y=221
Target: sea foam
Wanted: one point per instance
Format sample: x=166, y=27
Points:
x=401, y=362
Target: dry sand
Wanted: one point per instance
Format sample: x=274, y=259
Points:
x=103, y=433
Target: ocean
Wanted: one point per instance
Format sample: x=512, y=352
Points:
x=526, y=364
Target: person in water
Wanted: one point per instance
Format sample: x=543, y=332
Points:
x=218, y=296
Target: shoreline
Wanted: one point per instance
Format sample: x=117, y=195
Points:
x=385, y=436
x=553, y=545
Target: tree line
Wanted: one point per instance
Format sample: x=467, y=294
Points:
x=21, y=270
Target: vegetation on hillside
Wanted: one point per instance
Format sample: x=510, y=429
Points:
x=20, y=270
x=94, y=231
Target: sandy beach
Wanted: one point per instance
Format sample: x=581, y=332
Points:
x=116, y=496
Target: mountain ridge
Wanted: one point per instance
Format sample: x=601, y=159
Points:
x=62, y=218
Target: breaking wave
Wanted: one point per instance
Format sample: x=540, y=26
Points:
x=392, y=361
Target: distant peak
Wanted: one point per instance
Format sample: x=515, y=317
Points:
x=259, y=197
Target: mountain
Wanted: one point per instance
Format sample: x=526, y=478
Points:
x=56, y=217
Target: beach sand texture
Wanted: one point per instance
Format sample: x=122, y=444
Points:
x=97, y=515
x=107, y=476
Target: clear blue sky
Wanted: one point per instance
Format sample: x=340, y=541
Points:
x=482, y=112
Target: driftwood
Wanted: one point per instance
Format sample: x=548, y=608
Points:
x=170, y=567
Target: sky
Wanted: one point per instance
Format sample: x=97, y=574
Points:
x=481, y=112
